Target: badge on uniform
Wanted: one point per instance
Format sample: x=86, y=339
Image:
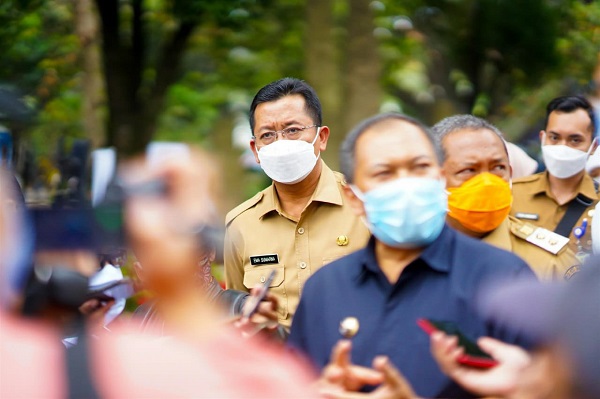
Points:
x=547, y=240
x=527, y=216
x=269, y=259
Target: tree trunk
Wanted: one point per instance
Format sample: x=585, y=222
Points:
x=120, y=88
x=134, y=110
x=363, y=67
x=167, y=73
x=92, y=83
x=322, y=69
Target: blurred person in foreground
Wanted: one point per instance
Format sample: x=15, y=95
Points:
x=154, y=268
x=564, y=321
x=413, y=267
x=478, y=179
x=562, y=198
x=203, y=358
x=301, y=221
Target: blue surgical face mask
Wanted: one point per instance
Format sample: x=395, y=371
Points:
x=406, y=213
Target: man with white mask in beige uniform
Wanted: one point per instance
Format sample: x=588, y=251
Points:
x=562, y=198
x=301, y=221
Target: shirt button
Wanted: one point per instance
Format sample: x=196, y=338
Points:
x=262, y=279
x=302, y=265
x=301, y=230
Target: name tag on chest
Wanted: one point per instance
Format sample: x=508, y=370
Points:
x=269, y=259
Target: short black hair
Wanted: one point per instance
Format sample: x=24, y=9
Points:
x=348, y=148
x=570, y=104
x=454, y=123
x=286, y=87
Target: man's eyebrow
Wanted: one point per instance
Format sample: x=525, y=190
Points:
x=464, y=164
x=413, y=159
x=285, y=124
x=570, y=135
x=422, y=157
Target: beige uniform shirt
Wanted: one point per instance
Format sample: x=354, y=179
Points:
x=512, y=236
x=261, y=237
x=532, y=198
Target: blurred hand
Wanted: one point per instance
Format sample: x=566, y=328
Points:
x=394, y=384
x=264, y=320
x=500, y=380
x=340, y=376
x=95, y=310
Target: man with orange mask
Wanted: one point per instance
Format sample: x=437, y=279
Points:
x=478, y=180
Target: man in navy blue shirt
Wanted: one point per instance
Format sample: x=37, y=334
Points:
x=413, y=267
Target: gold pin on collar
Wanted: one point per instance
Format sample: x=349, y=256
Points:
x=342, y=240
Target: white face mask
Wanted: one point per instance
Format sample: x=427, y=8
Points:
x=563, y=161
x=288, y=161
x=107, y=274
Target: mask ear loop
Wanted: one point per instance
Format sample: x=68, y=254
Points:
x=359, y=194
x=316, y=136
x=315, y=140
x=591, y=146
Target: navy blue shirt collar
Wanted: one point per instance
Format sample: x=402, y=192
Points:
x=437, y=255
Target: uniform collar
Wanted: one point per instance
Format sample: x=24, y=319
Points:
x=327, y=191
x=437, y=255
x=500, y=237
x=586, y=186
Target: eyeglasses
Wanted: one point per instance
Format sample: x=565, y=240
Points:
x=290, y=133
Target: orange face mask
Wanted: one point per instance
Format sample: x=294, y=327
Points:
x=481, y=203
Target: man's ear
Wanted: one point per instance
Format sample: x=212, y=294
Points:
x=355, y=203
x=254, y=150
x=541, y=136
x=323, y=137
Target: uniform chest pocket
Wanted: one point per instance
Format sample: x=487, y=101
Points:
x=258, y=275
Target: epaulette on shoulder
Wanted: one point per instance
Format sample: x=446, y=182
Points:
x=243, y=207
x=340, y=178
x=526, y=179
x=545, y=239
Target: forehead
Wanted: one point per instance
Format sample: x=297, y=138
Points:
x=577, y=121
x=286, y=109
x=393, y=140
x=479, y=144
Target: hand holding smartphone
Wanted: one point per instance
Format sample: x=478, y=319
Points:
x=254, y=301
x=473, y=356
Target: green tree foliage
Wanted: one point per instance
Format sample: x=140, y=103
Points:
x=40, y=52
x=477, y=56
x=182, y=69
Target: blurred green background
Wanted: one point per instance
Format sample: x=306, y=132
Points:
x=125, y=72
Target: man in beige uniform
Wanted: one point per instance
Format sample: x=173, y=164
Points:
x=478, y=175
x=301, y=221
x=564, y=188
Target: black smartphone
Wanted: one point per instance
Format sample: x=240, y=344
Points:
x=253, y=301
x=120, y=289
x=473, y=355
